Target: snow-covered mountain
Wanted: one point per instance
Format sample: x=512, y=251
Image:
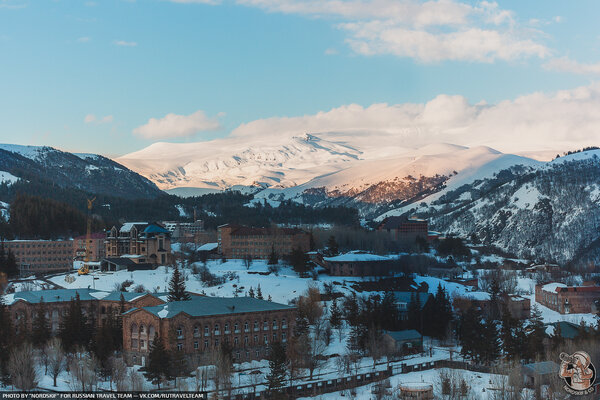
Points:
x=549, y=211
x=332, y=168
x=42, y=165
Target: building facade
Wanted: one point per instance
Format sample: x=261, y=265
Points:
x=41, y=256
x=180, y=230
x=567, y=299
x=199, y=326
x=358, y=264
x=142, y=242
x=95, y=245
x=95, y=304
x=236, y=241
x=404, y=229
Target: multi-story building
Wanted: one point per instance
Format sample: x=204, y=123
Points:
x=567, y=299
x=41, y=256
x=199, y=326
x=141, y=242
x=356, y=263
x=96, y=303
x=180, y=230
x=95, y=245
x=404, y=229
x=236, y=241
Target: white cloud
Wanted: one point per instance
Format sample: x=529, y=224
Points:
x=91, y=118
x=83, y=39
x=566, y=119
x=331, y=52
x=565, y=64
x=428, y=31
x=125, y=43
x=175, y=126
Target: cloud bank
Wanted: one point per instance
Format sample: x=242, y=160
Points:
x=177, y=126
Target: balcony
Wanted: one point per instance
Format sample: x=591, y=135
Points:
x=217, y=333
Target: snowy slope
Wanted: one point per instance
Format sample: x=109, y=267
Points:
x=7, y=177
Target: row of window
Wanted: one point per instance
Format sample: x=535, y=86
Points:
x=37, y=245
x=143, y=344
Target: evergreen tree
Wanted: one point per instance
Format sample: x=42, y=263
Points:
x=7, y=334
x=535, y=334
x=415, y=317
x=332, y=247
x=259, y=294
x=439, y=312
x=177, y=290
x=159, y=362
x=470, y=333
x=299, y=261
x=251, y=292
x=335, y=315
x=490, y=344
x=103, y=346
x=74, y=329
x=273, y=260
x=277, y=372
x=41, y=326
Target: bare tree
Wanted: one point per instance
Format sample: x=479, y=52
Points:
x=136, y=381
x=256, y=378
x=221, y=359
x=118, y=373
x=201, y=377
x=309, y=304
x=21, y=364
x=83, y=368
x=315, y=346
x=55, y=356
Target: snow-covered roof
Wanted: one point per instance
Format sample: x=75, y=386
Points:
x=551, y=287
x=481, y=296
x=208, y=247
x=128, y=225
x=356, y=257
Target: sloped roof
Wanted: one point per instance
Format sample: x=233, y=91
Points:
x=409, y=334
x=204, y=306
x=355, y=256
x=130, y=296
x=395, y=222
x=568, y=330
x=57, y=295
x=153, y=228
x=405, y=297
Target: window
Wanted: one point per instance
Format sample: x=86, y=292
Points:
x=179, y=332
x=265, y=339
x=274, y=324
x=206, y=330
x=266, y=325
x=255, y=326
x=196, y=331
x=134, y=344
x=283, y=324
x=256, y=339
x=179, y=346
x=142, y=344
x=283, y=337
x=236, y=328
x=217, y=332
x=274, y=337
x=236, y=341
x=246, y=326
x=196, y=346
x=142, y=329
x=245, y=340
x=226, y=328
x=205, y=344
x=216, y=342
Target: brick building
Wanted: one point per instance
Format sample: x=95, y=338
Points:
x=141, y=242
x=96, y=303
x=198, y=327
x=41, y=256
x=182, y=230
x=404, y=229
x=358, y=264
x=567, y=299
x=236, y=241
x=519, y=307
x=96, y=247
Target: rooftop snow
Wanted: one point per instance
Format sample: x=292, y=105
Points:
x=353, y=257
x=208, y=247
x=551, y=287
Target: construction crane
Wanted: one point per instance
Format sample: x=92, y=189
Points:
x=85, y=268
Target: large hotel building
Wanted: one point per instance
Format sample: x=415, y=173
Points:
x=41, y=256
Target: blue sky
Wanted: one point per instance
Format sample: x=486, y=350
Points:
x=114, y=76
